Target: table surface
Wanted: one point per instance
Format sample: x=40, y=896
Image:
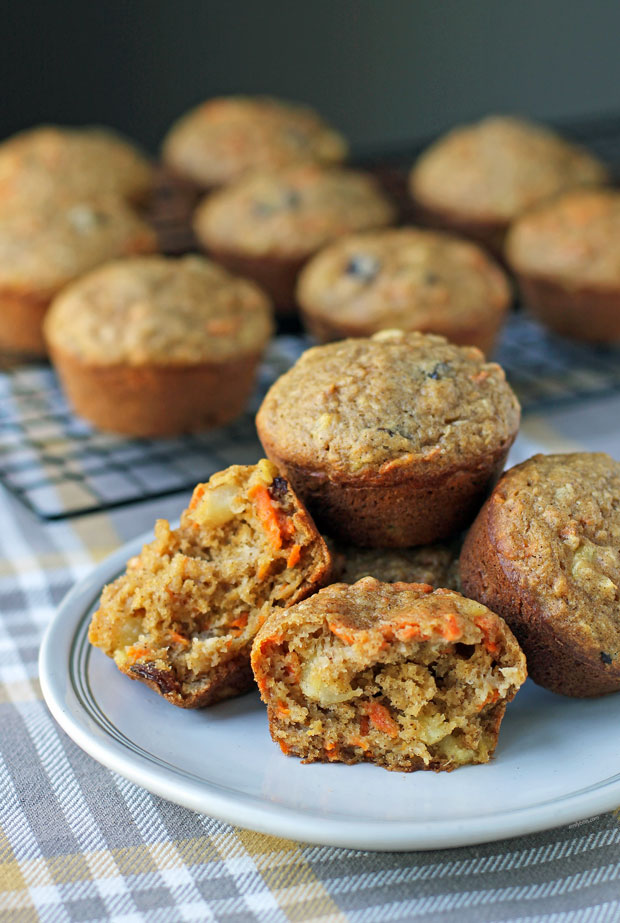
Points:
x=79, y=843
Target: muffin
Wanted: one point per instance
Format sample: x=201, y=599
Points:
x=222, y=139
x=392, y=674
x=407, y=279
x=392, y=441
x=82, y=162
x=566, y=255
x=544, y=553
x=478, y=178
x=183, y=616
x=48, y=244
x=156, y=346
x=268, y=224
x=436, y=565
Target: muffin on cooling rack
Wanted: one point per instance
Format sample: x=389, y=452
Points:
x=544, y=553
x=156, y=346
x=478, y=178
x=49, y=243
x=80, y=162
x=392, y=674
x=223, y=138
x=267, y=225
x=566, y=255
x=183, y=616
x=436, y=565
x=392, y=441
x=408, y=279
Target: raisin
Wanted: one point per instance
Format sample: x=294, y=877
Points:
x=164, y=679
x=277, y=488
x=363, y=266
x=606, y=658
x=431, y=278
x=438, y=371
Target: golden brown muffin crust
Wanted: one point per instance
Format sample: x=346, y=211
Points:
x=292, y=213
x=221, y=139
x=52, y=241
x=406, y=278
x=498, y=167
x=389, y=406
x=157, y=310
x=86, y=162
x=572, y=239
x=544, y=552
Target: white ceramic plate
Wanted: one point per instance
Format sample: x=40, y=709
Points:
x=558, y=759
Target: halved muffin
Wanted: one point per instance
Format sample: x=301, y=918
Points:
x=394, y=674
x=183, y=616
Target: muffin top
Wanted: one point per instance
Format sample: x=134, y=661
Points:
x=52, y=241
x=220, y=140
x=83, y=161
x=555, y=522
x=406, y=278
x=575, y=237
x=156, y=309
x=389, y=407
x=498, y=167
x=292, y=213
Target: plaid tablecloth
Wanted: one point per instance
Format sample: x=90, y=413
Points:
x=79, y=843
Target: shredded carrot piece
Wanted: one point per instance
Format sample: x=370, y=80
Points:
x=263, y=570
x=284, y=747
x=408, y=631
x=491, y=699
x=135, y=653
x=480, y=376
x=282, y=710
x=382, y=719
x=345, y=634
x=197, y=496
x=267, y=514
x=240, y=622
x=489, y=633
x=450, y=629
x=178, y=639
x=294, y=556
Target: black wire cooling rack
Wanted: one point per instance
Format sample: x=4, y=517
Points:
x=59, y=466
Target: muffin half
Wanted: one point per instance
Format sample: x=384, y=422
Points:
x=392, y=674
x=183, y=616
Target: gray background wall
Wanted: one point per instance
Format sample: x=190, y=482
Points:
x=385, y=71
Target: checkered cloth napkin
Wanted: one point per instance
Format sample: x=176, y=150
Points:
x=79, y=843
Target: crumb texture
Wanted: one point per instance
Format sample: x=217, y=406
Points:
x=395, y=674
x=183, y=616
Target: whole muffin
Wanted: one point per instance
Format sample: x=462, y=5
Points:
x=544, y=553
x=408, y=279
x=82, y=162
x=392, y=674
x=566, y=255
x=267, y=225
x=477, y=178
x=392, y=441
x=223, y=138
x=49, y=243
x=158, y=346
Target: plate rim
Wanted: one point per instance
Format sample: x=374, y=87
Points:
x=251, y=812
